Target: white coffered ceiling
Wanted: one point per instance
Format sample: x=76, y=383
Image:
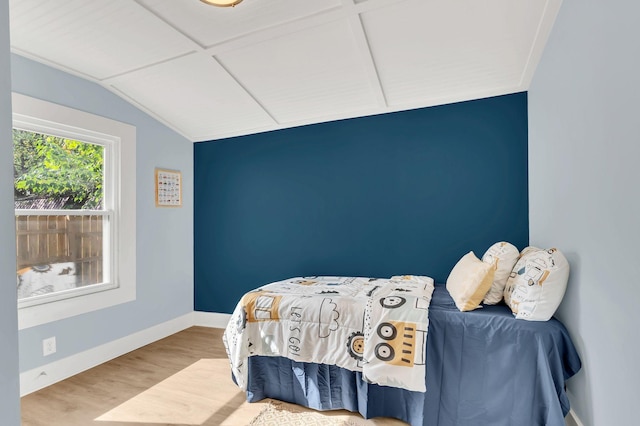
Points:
x=211, y=72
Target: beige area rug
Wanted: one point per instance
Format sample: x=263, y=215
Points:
x=278, y=413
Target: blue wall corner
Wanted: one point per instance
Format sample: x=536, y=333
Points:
x=400, y=193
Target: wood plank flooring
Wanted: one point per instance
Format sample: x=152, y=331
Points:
x=183, y=379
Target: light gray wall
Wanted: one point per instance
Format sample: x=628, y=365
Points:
x=164, y=236
x=584, y=109
x=9, y=386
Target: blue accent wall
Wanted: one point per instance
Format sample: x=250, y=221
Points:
x=401, y=193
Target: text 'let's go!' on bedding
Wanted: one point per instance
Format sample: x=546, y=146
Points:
x=372, y=325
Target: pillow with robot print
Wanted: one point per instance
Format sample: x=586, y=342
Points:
x=537, y=284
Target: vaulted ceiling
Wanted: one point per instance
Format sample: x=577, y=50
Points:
x=210, y=72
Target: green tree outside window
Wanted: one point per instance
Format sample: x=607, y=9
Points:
x=57, y=168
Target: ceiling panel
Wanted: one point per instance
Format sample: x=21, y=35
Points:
x=195, y=95
x=95, y=38
x=451, y=50
x=208, y=25
x=309, y=74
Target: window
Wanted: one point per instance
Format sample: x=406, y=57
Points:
x=75, y=219
x=63, y=196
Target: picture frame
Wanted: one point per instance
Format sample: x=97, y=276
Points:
x=168, y=185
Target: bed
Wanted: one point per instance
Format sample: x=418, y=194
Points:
x=483, y=367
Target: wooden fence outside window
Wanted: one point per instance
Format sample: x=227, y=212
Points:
x=62, y=238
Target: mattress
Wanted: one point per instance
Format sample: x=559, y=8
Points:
x=484, y=367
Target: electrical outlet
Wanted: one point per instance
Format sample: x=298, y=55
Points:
x=49, y=346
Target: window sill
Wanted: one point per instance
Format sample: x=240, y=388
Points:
x=32, y=316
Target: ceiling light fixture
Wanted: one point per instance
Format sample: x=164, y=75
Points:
x=222, y=3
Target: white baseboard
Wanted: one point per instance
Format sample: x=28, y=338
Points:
x=211, y=319
x=38, y=378
x=572, y=419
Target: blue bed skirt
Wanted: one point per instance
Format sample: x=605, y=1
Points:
x=483, y=368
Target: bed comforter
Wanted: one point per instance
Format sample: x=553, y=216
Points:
x=374, y=326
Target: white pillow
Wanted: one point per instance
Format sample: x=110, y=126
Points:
x=504, y=255
x=469, y=281
x=537, y=284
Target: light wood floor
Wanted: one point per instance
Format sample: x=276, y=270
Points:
x=184, y=379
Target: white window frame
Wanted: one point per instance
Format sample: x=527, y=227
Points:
x=119, y=140
x=111, y=147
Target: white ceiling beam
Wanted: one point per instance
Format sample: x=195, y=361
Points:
x=360, y=37
x=247, y=91
x=53, y=64
x=196, y=46
x=146, y=110
x=304, y=23
x=249, y=39
x=551, y=9
x=114, y=77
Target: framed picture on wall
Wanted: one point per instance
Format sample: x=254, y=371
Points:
x=168, y=188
